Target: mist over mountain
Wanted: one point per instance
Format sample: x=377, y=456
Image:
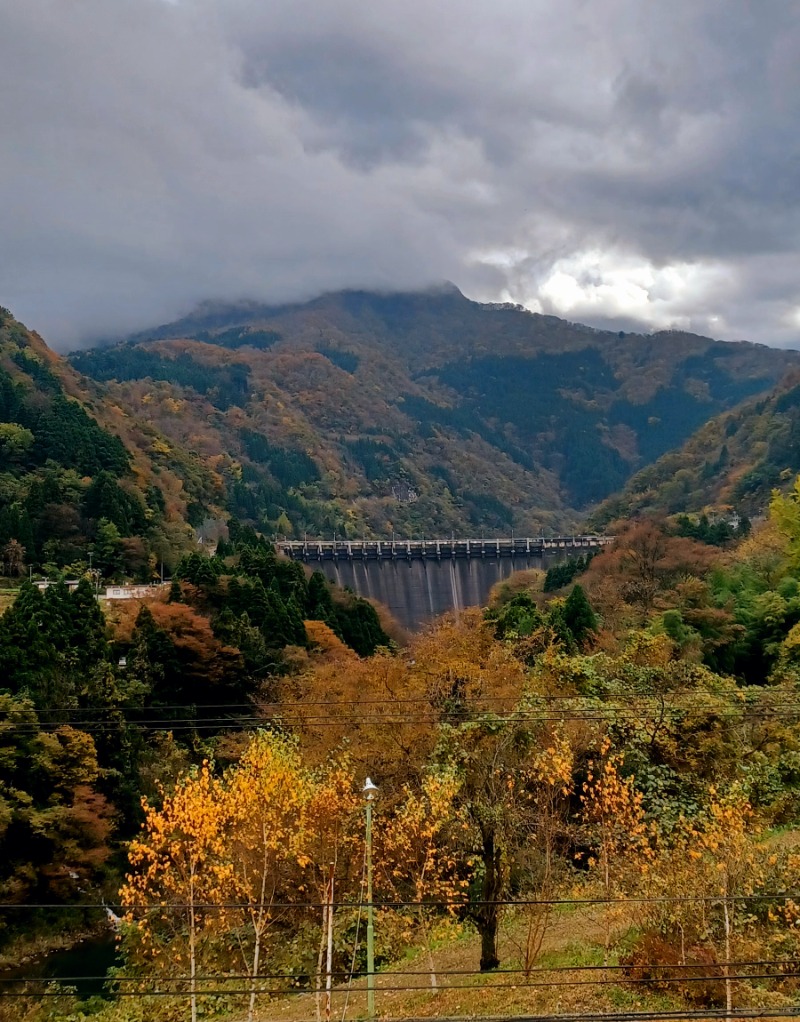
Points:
x=367, y=414
x=616, y=164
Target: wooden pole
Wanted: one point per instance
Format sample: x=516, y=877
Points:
x=329, y=978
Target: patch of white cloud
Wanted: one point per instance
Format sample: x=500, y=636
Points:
x=607, y=286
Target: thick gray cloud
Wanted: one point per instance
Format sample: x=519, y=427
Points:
x=612, y=161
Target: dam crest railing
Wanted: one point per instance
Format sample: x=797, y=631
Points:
x=434, y=549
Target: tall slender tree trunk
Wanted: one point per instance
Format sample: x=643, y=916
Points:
x=432, y=968
x=323, y=940
x=329, y=960
x=192, y=949
x=431, y=963
x=728, y=983
x=487, y=916
x=259, y=925
x=251, y=1010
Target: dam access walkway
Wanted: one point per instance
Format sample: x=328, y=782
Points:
x=436, y=549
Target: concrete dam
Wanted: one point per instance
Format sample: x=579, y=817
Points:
x=417, y=580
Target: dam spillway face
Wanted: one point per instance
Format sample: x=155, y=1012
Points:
x=417, y=580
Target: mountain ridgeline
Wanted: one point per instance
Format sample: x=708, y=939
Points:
x=421, y=413
x=81, y=483
x=736, y=459
x=362, y=414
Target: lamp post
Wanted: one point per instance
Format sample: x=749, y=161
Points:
x=370, y=790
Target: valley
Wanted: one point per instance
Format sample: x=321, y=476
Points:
x=374, y=647
x=540, y=582
x=421, y=414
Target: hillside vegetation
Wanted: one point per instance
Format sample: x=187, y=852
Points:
x=735, y=459
x=100, y=705
x=360, y=413
x=83, y=483
x=617, y=759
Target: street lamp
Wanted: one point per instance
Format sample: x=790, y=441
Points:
x=369, y=791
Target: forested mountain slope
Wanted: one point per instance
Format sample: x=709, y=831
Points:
x=737, y=459
x=82, y=480
x=421, y=412
x=558, y=759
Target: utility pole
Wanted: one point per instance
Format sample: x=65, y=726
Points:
x=370, y=790
x=329, y=960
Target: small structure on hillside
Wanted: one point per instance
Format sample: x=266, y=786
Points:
x=70, y=583
x=404, y=493
x=133, y=592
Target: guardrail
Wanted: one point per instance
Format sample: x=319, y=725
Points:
x=433, y=549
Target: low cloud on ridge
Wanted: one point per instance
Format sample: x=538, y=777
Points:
x=613, y=162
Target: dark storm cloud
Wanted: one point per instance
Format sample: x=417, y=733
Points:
x=611, y=161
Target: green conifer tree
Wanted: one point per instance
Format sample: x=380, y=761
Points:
x=579, y=617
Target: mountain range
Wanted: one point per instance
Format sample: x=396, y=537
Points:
x=489, y=415
x=365, y=414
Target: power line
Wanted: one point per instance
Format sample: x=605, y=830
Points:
x=677, y=1015
x=384, y=701
x=444, y=903
x=470, y=972
x=537, y=985
x=729, y=718
x=257, y=703
x=525, y=705
x=590, y=701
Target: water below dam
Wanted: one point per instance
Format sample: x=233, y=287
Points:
x=84, y=967
x=417, y=590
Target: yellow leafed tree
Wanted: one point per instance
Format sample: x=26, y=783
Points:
x=179, y=868
x=418, y=860
x=549, y=782
x=616, y=828
x=266, y=797
x=226, y=859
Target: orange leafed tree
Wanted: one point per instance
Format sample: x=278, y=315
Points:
x=642, y=567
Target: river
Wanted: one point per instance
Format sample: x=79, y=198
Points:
x=84, y=966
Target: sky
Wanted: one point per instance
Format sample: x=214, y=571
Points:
x=616, y=162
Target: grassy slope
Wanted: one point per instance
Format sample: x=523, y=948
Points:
x=575, y=938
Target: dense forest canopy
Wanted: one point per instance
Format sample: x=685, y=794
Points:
x=491, y=420
x=604, y=733
x=82, y=485
x=103, y=691
x=737, y=458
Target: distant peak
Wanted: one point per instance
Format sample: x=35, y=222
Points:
x=447, y=287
